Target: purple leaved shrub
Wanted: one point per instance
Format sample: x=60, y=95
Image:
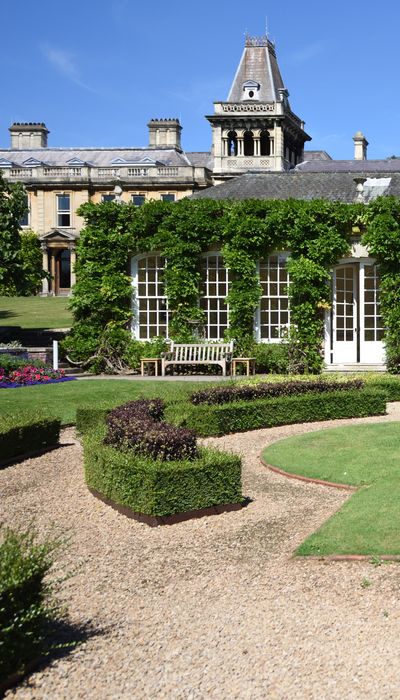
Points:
x=138, y=425
x=249, y=392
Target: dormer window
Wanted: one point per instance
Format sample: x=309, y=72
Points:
x=251, y=90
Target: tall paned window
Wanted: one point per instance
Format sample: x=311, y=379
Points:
x=151, y=302
x=214, y=289
x=25, y=220
x=274, y=313
x=63, y=210
x=373, y=325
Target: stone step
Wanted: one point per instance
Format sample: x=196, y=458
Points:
x=355, y=367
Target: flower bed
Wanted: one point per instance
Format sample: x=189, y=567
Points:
x=30, y=375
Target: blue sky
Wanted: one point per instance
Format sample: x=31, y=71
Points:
x=95, y=71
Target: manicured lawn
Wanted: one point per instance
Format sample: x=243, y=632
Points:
x=367, y=456
x=62, y=399
x=35, y=312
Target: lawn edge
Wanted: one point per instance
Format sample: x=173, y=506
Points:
x=346, y=557
x=307, y=479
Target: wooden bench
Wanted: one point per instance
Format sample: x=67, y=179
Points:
x=201, y=354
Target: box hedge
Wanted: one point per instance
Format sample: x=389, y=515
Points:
x=209, y=420
x=26, y=432
x=160, y=488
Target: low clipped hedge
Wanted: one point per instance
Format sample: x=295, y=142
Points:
x=27, y=432
x=88, y=417
x=235, y=416
x=160, y=488
x=390, y=385
x=249, y=392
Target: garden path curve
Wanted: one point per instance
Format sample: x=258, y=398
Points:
x=216, y=607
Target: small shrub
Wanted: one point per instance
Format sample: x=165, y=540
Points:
x=9, y=363
x=137, y=425
x=26, y=604
x=249, y=392
x=271, y=358
x=139, y=348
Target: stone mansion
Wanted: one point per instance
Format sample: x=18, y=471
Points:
x=257, y=152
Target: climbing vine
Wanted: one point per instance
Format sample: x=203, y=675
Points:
x=383, y=240
x=315, y=233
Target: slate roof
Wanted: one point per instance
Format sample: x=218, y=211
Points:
x=97, y=157
x=201, y=159
x=389, y=165
x=316, y=155
x=258, y=63
x=334, y=187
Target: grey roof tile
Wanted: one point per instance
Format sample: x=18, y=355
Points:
x=389, y=165
x=334, y=187
x=98, y=157
x=258, y=63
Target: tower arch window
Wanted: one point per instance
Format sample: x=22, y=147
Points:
x=248, y=143
x=265, y=143
x=274, y=311
x=232, y=143
x=214, y=288
x=151, y=313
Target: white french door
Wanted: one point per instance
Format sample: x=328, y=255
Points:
x=355, y=333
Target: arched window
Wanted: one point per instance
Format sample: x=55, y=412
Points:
x=274, y=312
x=213, y=291
x=150, y=313
x=265, y=144
x=248, y=143
x=232, y=143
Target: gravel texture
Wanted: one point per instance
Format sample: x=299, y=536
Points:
x=215, y=607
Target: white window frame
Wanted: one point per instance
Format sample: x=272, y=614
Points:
x=60, y=212
x=214, y=303
x=141, y=302
x=266, y=308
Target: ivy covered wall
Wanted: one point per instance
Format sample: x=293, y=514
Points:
x=317, y=234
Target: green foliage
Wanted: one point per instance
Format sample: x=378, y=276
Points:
x=383, y=240
x=271, y=358
x=139, y=348
x=209, y=420
x=12, y=209
x=160, y=488
x=26, y=604
x=31, y=261
x=23, y=432
x=316, y=233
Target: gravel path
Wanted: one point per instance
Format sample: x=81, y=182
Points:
x=216, y=607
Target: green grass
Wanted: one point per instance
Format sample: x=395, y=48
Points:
x=366, y=456
x=35, y=312
x=62, y=400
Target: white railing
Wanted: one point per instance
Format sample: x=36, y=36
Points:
x=20, y=172
x=168, y=172
x=62, y=172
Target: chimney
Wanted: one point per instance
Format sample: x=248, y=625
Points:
x=164, y=133
x=360, y=146
x=28, y=135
